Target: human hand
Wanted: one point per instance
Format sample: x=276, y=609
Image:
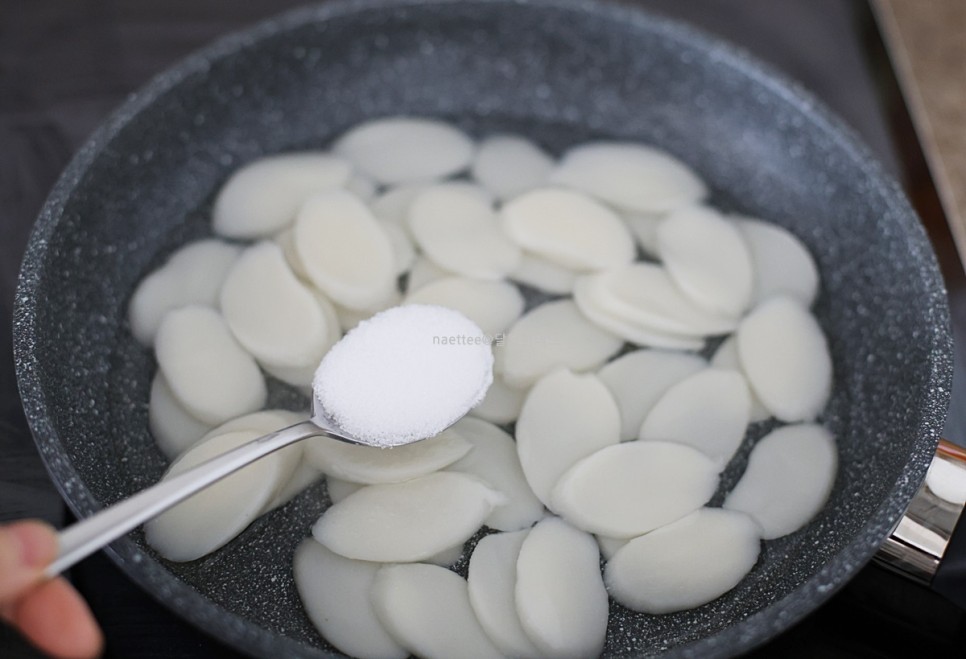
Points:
x=50, y=613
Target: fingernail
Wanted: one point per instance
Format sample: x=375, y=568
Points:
x=38, y=544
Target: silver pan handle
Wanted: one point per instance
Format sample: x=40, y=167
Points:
x=919, y=541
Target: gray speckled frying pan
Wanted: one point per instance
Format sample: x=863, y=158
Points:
x=560, y=73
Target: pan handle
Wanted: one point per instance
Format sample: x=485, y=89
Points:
x=918, y=543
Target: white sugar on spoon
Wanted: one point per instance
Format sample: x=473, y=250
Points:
x=404, y=375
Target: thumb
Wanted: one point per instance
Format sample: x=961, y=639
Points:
x=25, y=549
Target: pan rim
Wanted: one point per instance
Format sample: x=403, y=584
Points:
x=249, y=638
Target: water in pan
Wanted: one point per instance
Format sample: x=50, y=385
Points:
x=561, y=82
x=265, y=550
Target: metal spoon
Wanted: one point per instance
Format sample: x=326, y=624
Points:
x=88, y=535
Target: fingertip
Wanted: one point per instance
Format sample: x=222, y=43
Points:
x=56, y=619
x=35, y=542
x=25, y=548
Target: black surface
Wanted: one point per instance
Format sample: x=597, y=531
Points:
x=950, y=579
x=43, y=136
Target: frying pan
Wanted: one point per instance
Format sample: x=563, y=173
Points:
x=556, y=71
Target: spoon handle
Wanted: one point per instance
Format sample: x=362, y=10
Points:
x=88, y=535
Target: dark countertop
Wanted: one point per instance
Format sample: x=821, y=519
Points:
x=65, y=64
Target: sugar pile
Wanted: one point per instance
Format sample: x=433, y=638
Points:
x=405, y=374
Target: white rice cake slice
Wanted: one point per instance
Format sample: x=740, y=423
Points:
x=272, y=314
x=630, y=176
x=457, y=229
x=426, y=609
x=789, y=477
x=786, y=358
x=335, y=593
x=212, y=517
x=403, y=248
x=629, y=489
x=588, y=297
x=301, y=376
x=344, y=250
x=638, y=379
x=172, y=426
x=707, y=411
x=645, y=295
x=339, y=489
x=491, y=582
x=303, y=476
x=502, y=403
x=782, y=262
x=551, y=336
x=372, y=464
x=395, y=150
x=494, y=460
x=266, y=422
x=643, y=227
x=545, y=275
x=708, y=258
x=610, y=546
x=569, y=229
x=565, y=418
x=685, y=564
x=286, y=241
x=362, y=186
x=392, y=205
x=447, y=557
x=209, y=373
x=423, y=272
x=726, y=356
x=492, y=305
x=349, y=318
x=263, y=197
x=508, y=165
x=560, y=594
x=193, y=275
x=409, y=521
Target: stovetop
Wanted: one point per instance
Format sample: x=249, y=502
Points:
x=65, y=64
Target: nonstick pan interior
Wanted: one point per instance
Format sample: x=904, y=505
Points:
x=559, y=73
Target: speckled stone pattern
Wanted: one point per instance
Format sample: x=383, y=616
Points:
x=561, y=73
